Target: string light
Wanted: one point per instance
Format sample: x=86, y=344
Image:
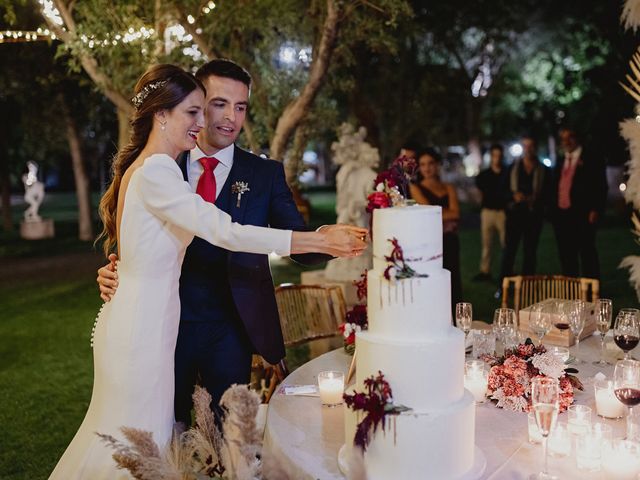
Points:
x=15, y=36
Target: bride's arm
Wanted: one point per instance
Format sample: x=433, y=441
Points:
x=169, y=197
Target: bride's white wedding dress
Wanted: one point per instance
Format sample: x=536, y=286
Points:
x=136, y=331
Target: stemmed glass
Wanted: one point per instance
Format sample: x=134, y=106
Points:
x=464, y=316
x=576, y=323
x=504, y=323
x=603, y=322
x=626, y=331
x=540, y=321
x=626, y=384
x=545, y=401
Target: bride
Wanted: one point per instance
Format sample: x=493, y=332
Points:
x=151, y=214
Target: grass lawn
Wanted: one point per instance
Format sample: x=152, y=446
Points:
x=48, y=301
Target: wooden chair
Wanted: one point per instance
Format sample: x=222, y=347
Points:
x=307, y=313
x=530, y=289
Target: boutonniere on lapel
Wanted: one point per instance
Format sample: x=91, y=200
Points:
x=240, y=188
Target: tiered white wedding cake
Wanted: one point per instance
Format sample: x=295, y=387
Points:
x=412, y=342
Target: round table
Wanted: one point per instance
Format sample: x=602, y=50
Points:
x=306, y=436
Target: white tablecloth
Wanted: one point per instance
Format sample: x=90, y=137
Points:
x=307, y=436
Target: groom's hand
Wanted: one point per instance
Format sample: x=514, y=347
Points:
x=108, y=278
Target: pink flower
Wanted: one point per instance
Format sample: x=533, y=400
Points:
x=378, y=200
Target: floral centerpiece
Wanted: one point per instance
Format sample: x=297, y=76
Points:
x=376, y=403
x=356, y=318
x=391, y=187
x=511, y=375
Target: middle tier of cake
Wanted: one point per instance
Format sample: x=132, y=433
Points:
x=426, y=375
x=409, y=309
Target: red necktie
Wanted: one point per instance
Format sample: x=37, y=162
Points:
x=207, y=183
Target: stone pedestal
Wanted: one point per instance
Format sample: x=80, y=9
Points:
x=37, y=230
x=317, y=277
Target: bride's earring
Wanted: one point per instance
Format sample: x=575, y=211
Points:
x=163, y=126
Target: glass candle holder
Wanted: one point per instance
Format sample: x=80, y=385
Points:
x=475, y=379
x=590, y=445
x=560, y=441
x=331, y=387
x=607, y=404
x=579, y=419
x=484, y=343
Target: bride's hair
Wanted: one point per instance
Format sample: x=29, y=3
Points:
x=161, y=87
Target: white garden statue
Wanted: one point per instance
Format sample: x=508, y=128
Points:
x=354, y=182
x=33, y=192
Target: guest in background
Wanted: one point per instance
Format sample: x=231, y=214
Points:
x=409, y=150
x=530, y=189
x=430, y=190
x=580, y=196
x=493, y=184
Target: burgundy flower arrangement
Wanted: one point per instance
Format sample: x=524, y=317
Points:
x=397, y=267
x=376, y=403
x=511, y=375
x=356, y=318
x=391, y=187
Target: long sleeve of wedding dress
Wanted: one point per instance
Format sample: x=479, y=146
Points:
x=170, y=198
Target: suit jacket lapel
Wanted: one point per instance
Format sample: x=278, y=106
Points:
x=240, y=172
x=183, y=162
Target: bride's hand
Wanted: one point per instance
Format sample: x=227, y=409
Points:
x=108, y=279
x=344, y=240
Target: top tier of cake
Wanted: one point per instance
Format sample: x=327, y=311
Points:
x=418, y=229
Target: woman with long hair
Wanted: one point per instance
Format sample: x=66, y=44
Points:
x=429, y=189
x=150, y=215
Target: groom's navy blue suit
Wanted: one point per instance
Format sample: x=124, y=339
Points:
x=228, y=306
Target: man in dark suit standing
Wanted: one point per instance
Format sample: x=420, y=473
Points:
x=580, y=197
x=228, y=306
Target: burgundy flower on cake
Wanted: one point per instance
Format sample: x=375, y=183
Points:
x=361, y=287
x=376, y=402
x=397, y=267
x=511, y=375
x=391, y=186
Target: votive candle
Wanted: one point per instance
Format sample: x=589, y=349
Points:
x=331, y=387
x=621, y=460
x=607, y=405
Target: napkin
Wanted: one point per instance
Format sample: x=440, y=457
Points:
x=302, y=390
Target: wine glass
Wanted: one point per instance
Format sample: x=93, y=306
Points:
x=539, y=321
x=603, y=322
x=464, y=316
x=626, y=331
x=626, y=385
x=545, y=392
x=504, y=322
x=575, y=315
x=562, y=322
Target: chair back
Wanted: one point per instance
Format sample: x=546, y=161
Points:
x=309, y=312
x=530, y=289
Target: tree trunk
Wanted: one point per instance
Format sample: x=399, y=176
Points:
x=474, y=159
x=83, y=192
x=295, y=111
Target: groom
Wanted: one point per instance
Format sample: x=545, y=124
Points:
x=228, y=306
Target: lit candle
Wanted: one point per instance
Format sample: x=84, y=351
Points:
x=475, y=379
x=607, y=405
x=621, y=461
x=560, y=441
x=589, y=452
x=331, y=387
x=579, y=419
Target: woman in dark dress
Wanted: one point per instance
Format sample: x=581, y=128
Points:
x=430, y=190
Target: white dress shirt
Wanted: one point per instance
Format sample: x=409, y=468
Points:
x=221, y=172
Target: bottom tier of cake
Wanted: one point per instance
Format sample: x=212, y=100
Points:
x=433, y=445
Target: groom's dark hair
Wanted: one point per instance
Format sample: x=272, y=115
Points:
x=221, y=67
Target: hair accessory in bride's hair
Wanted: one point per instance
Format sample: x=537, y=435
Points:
x=144, y=93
